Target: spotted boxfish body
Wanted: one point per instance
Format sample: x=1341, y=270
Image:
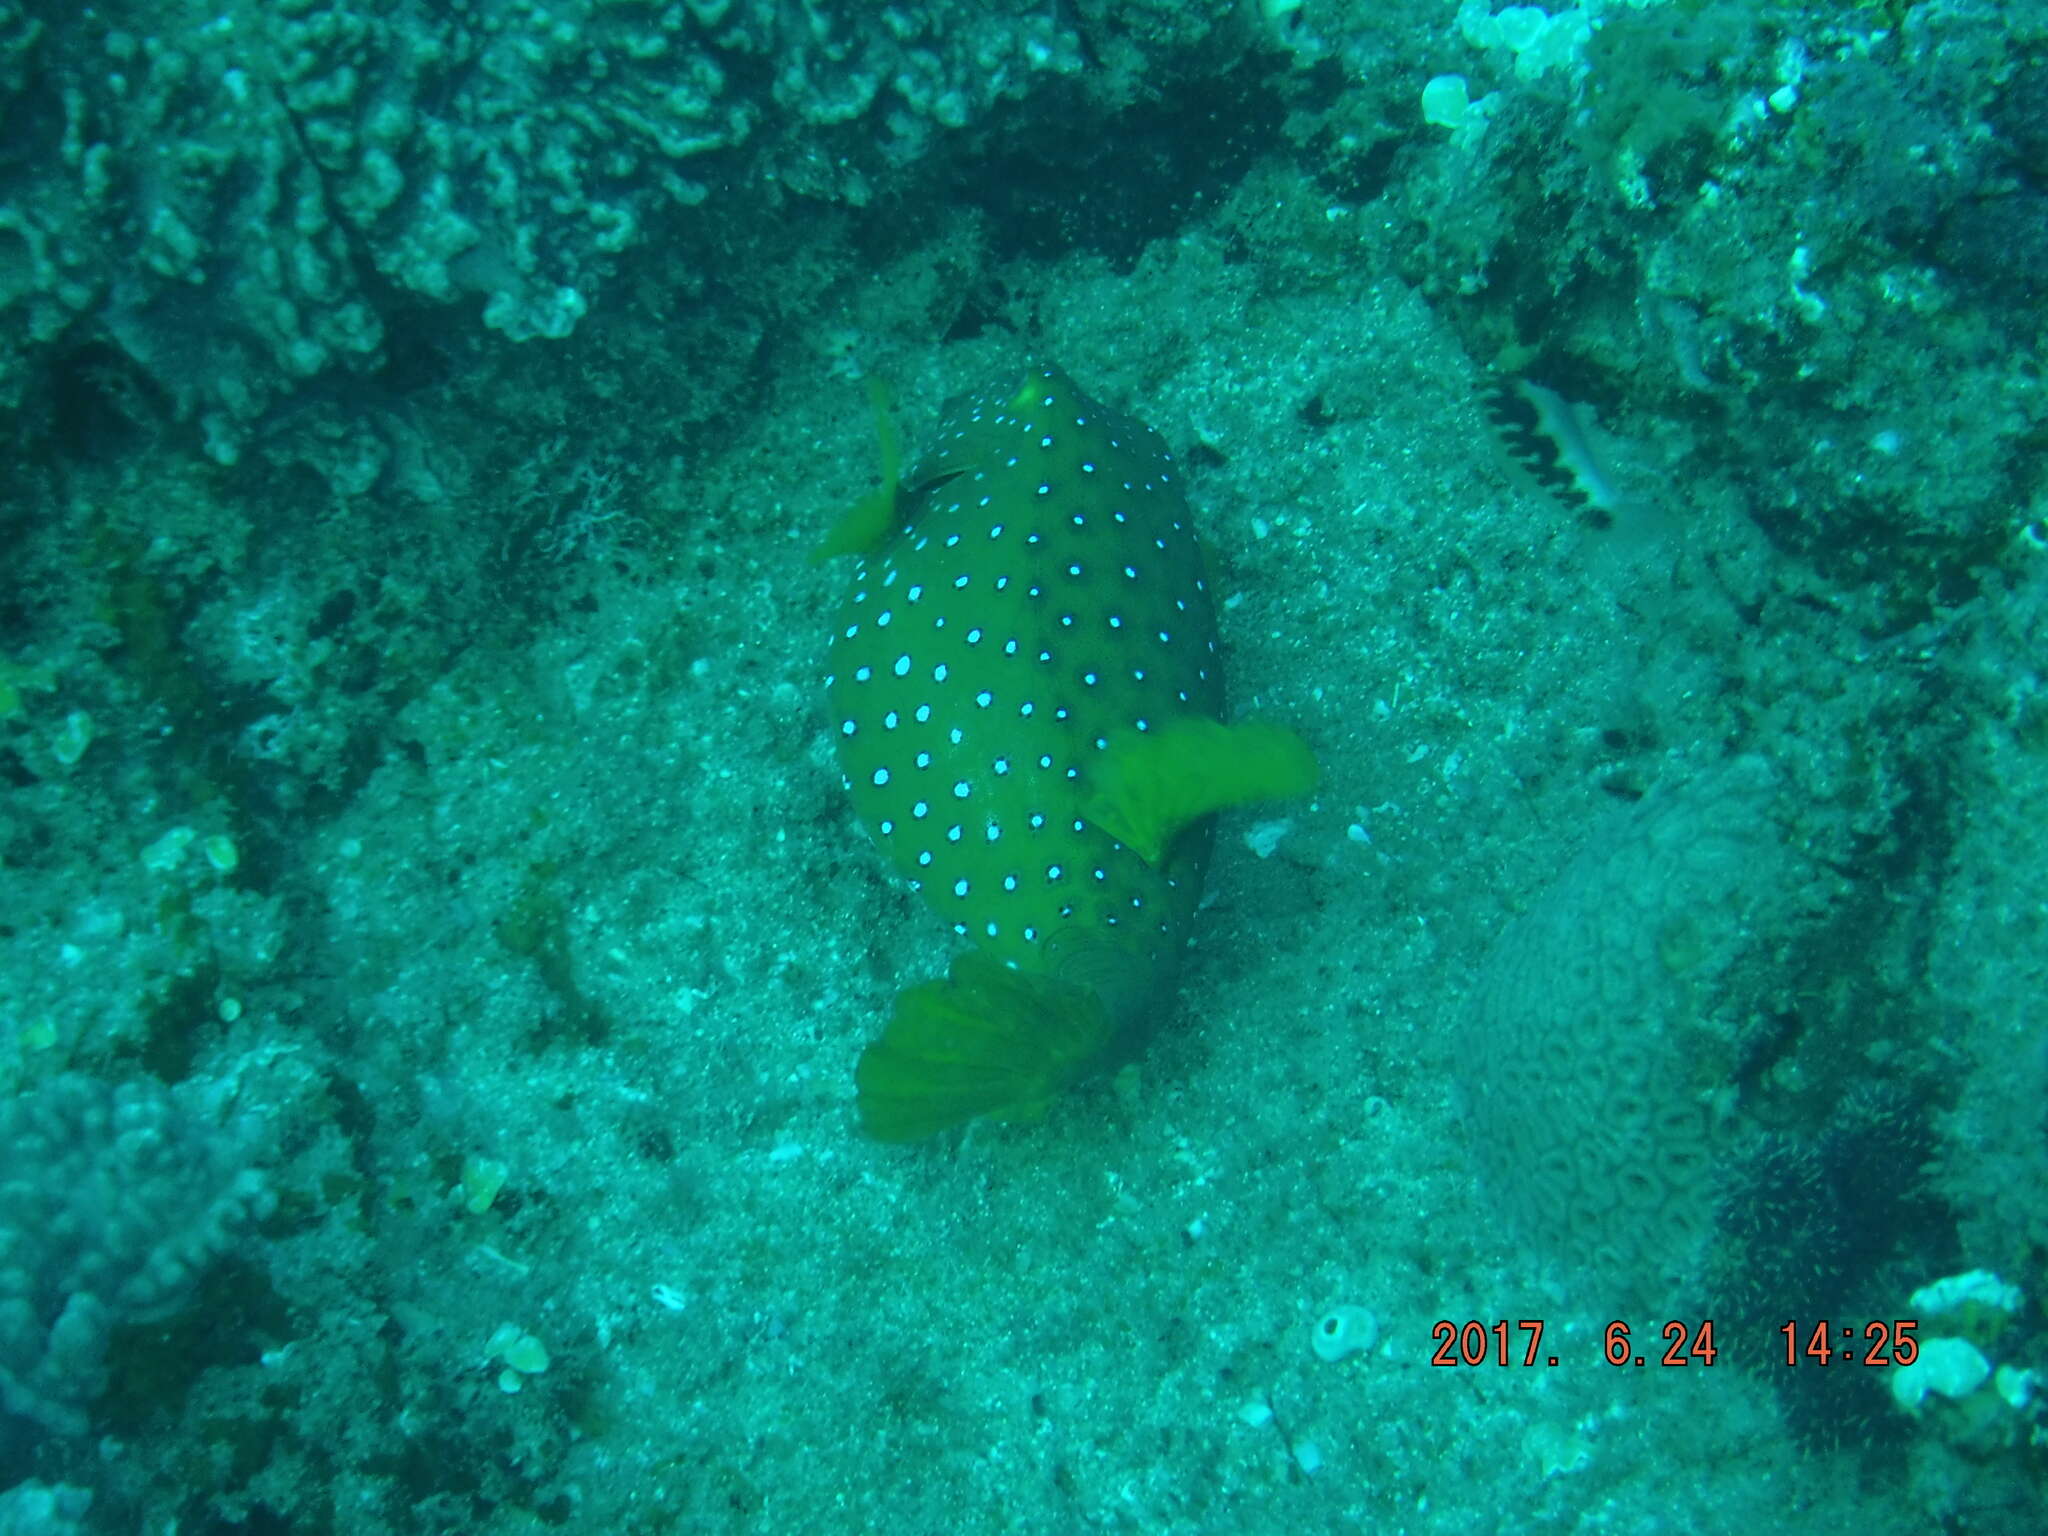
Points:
x=1015, y=677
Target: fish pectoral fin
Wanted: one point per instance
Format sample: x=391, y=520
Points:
x=860, y=527
x=864, y=525
x=1146, y=786
x=868, y=522
x=985, y=1040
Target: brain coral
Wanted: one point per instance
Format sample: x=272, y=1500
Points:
x=1599, y=1048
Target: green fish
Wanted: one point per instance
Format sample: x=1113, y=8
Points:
x=1027, y=693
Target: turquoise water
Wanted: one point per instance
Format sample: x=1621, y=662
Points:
x=436, y=944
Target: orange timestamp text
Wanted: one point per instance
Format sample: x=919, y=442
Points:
x=1520, y=1343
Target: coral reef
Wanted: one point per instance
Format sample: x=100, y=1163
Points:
x=1602, y=1048
x=245, y=199
x=416, y=784
x=115, y=1199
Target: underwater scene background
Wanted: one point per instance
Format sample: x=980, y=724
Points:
x=438, y=945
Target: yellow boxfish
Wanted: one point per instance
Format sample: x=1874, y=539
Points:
x=1026, y=689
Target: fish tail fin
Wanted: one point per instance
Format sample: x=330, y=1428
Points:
x=1150, y=785
x=985, y=1040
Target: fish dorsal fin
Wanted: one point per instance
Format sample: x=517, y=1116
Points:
x=1149, y=785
